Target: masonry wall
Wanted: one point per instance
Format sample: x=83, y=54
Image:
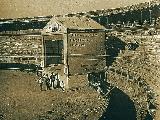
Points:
x=21, y=49
x=86, y=52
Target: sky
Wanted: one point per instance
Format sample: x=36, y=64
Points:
x=30, y=8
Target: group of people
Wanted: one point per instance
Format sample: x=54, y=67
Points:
x=50, y=82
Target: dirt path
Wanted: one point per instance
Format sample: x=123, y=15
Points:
x=21, y=99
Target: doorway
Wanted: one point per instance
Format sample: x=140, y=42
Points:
x=53, y=52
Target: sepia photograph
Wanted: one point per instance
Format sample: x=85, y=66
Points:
x=79, y=59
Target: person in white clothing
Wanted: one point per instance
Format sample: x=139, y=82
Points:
x=62, y=85
x=40, y=81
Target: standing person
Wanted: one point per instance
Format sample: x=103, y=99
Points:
x=37, y=70
x=47, y=80
x=52, y=79
x=40, y=81
x=62, y=85
x=56, y=82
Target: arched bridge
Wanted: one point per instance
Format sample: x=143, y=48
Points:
x=133, y=86
x=136, y=72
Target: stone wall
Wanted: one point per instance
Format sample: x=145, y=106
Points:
x=21, y=49
x=142, y=65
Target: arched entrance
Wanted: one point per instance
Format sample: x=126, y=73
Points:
x=120, y=107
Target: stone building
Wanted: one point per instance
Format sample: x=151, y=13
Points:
x=75, y=45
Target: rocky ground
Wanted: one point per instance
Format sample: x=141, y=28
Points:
x=21, y=99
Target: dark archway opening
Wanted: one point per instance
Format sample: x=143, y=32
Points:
x=120, y=107
x=113, y=47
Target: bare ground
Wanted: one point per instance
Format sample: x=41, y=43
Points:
x=21, y=99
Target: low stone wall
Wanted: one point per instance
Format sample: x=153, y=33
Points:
x=21, y=49
x=22, y=32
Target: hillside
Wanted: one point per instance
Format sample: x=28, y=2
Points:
x=30, y=8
